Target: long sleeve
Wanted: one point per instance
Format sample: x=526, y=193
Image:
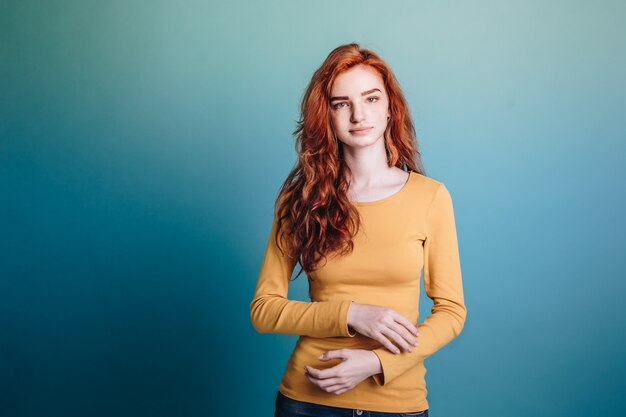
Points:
x=443, y=284
x=272, y=312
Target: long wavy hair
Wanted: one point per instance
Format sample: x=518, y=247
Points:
x=314, y=216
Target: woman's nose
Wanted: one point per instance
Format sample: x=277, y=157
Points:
x=357, y=114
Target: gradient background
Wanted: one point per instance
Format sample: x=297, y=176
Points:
x=142, y=144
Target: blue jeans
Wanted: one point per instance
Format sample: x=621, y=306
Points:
x=288, y=407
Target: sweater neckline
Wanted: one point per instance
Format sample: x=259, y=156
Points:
x=389, y=197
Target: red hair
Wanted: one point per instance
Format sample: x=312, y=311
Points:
x=314, y=216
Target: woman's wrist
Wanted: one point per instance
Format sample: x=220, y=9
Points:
x=377, y=367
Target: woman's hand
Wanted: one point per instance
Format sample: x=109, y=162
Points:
x=357, y=365
x=380, y=323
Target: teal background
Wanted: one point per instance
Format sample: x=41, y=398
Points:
x=142, y=144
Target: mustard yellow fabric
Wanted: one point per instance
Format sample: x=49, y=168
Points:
x=400, y=234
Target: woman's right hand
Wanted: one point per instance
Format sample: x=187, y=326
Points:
x=381, y=324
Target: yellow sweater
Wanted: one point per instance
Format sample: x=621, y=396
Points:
x=399, y=235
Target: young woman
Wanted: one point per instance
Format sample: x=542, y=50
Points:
x=362, y=228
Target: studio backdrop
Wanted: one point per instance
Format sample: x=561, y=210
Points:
x=143, y=143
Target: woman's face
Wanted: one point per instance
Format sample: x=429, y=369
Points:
x=359, y=106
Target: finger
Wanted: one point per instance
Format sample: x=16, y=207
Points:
x=406, y=323
x=385, y=342
x=324, y=384
x=336, y=389
x=390, y=333
x=334, y=354
x=329, y=382
x=402, y=331
x=321, y=374
x=342, y=390
x=313, y=380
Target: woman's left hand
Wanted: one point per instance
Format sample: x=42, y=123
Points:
x=357, y=365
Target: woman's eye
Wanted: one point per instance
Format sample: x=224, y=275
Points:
x=370, y=99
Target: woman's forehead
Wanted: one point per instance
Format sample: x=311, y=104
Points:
x=356, y=81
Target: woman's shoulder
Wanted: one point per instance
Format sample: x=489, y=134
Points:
x=425, y=186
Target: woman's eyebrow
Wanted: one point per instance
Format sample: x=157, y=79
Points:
x=364, y=93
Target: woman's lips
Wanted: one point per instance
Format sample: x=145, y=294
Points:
x=360, y=131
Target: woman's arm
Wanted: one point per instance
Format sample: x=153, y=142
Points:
x=443, y=284
x=272, y=312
